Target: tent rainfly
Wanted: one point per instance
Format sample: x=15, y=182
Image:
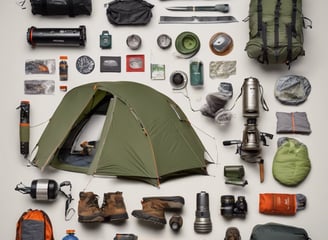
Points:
x=144, y=135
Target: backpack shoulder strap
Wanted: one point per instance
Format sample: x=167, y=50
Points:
x=291, y=32
x=265, y=45
x=19, y=225
x=262, y=32
x=47, y=221
x=259, y=17
x=293, y=21
x=276, y=24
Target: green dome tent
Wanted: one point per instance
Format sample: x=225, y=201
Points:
x=145, y=135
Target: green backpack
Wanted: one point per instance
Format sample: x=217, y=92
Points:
x=276, y=31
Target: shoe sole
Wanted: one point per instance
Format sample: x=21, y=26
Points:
x=85, y=219
x=116, y=217
x=141, y=215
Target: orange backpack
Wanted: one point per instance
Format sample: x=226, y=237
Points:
x=34, y=225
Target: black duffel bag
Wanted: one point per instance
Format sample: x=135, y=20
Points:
x=61, y=7
x=129, y=12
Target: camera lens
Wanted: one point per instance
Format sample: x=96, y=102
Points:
x=227, y=205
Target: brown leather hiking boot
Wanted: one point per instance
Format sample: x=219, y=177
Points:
x=169, y=203
x=88, y=209
x=152, y=210
x=113, y=207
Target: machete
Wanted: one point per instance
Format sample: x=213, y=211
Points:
x=196, y=19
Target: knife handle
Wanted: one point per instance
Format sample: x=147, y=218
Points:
x=218, y=8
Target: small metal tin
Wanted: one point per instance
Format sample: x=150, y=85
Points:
x=164, y=41
x=133, y=41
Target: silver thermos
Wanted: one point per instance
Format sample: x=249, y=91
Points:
x=251, y=88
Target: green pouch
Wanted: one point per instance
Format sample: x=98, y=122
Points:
x=274, y=231
x=291, y=163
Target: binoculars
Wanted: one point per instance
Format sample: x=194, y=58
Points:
x=231, y=208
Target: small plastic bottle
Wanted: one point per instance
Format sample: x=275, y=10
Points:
x=63, y=68
x=70, y=235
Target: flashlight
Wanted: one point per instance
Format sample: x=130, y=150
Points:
x=203, y=222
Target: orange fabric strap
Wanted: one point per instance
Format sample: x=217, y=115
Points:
x=293, y=122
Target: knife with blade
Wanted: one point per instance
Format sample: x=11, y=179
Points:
x=217, y=8
x=196, y=19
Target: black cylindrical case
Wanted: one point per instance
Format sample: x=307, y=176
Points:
x=44, y=189
x=75, y=37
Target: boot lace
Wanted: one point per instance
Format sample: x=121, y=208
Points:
x=93, y=201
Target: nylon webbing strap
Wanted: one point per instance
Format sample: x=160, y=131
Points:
x=289, y=43
x=294, y=11
x=291, y=31
x=276, y=26
x=265, y=44
x=69, y=212
x=262, y=30
x=259, y=17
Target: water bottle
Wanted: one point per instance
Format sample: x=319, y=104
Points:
x=70, y=235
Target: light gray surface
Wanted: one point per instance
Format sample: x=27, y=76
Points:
x=15, y=50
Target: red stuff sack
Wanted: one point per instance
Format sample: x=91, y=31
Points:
x=34, y=225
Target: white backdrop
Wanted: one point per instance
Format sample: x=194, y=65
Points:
x=15, y=51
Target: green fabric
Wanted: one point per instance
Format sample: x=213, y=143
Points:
x=145, y=136
x=275, y=231
x=291, y=163
x=276, y=53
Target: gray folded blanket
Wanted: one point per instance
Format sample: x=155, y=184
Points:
x=294, y=122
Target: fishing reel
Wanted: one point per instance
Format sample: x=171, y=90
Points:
x=250, y=147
